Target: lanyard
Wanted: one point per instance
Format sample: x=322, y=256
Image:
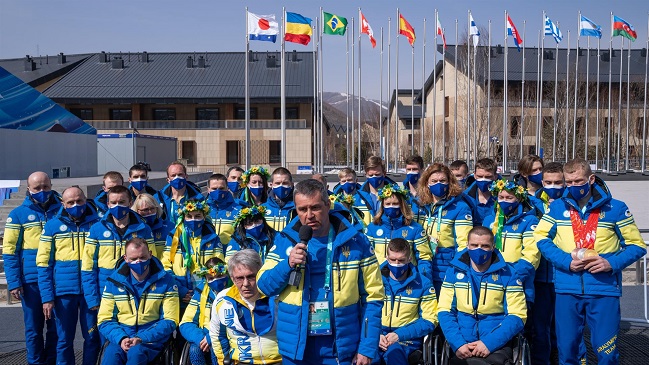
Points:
x=439, y=218
x=330, y=241
x=584, y=234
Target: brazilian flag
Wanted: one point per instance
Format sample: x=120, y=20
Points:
x=334, y=24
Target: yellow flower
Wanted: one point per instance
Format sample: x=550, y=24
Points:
x=388, y=193
x=190, y=207
x=500, y=184
x=245, y=211
x=262, y=209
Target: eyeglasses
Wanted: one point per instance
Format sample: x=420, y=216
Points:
x=146, y=210
x=240, y=279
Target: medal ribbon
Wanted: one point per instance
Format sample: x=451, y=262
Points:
x=584, y=234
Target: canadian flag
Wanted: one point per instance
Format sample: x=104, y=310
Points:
x=365, y=28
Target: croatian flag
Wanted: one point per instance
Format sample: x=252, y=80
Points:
x=588, y=28
x=512, y=31
x=262, y=27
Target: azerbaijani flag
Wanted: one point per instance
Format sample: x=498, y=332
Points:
x=407, y=30
x=298, y=28
x=622, y=28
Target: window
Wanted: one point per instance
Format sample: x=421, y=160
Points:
x=407, y=123
x=291, y=113
x=188, y=152
x=120, y=114
x=164, y=114
x=207, y=114
x=83, y=113
x=240, y=113
x=447, y=106
x=514, y=126
x=232, y=152
x=274, y=152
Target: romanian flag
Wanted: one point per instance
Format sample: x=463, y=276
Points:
x=298, y=28
x=407, y=30
x=622, y=28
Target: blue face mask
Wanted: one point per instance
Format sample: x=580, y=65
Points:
x=139, y=184
x=219, y=196
x=438, y=189
x=255, y=231
x=508, y=207
x=376, y=181
x=462, y=182
x=579, y=191
x=150, y=219
x=178, y=182
x=139, y=267
x=76, y=211
x=483, y=184
x=233, y=186
x=554, y=191
x=480, y=256
x=411, y=178
x=392, y=212
x=348, y=187
x=256, y=191
x=119, y=211
x=282, y=192
x=194, y=226
x=41, y=197
x=218, y=284
x=397, y=269
x=536, y=178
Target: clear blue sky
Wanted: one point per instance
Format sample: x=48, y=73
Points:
x=83, y=26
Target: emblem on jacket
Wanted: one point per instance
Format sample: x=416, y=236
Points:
x=106, y=234
x=444, y=212
x=459, y=276
x=345, y=250
x=603, y=214
x=408, y=290
x=515, y=227
x=494, y=277
x=228, y=214
x=31, y=217
x=63, y=228
x=158, y=235
x=152, y=287
x=379, y=232
x=404, y=233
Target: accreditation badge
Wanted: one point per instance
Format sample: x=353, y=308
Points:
x=319, y=319
x=432, y=242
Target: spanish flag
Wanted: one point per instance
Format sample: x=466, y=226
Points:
x=406, y=29
x=298, y=29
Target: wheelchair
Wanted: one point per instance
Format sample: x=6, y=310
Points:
x=167, y=356
x=442, y=355
x=184, y=357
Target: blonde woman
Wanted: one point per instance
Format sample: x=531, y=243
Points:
x=147, y=207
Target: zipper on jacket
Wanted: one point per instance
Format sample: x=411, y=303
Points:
x=130, y=305
x=366, y=320
x=398, y=305
x=143, y=304
x=484, y=299
x=339, y=274
x=504, y=241
x=114, y=248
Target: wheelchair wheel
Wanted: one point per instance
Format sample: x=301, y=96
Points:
x=184, y=355
x=522, y=353
x=101, y=353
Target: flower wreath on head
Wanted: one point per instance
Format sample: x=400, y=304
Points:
x=388, y=190
x=216, y=270
x=193, y=206
x=342, y=198
x=245, y=177
x=511, y=187
x=249, y=213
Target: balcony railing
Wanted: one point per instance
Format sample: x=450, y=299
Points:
x=199, y=124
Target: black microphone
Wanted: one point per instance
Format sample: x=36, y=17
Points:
x=305, y=234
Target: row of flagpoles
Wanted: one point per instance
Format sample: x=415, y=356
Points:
x=299, y=29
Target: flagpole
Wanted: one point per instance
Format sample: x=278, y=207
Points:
x=316, y=102
x=422, y=123
x=316, y=83
x=455, y=144
x=489, y=95
x=628, y=92
x=475, y=103
x=434, y=117
x=412, y=104
x=574, y=119
x=597, y=107
x=610, y=82
x=504, y=141
x=556, y=88
x=522, y=120
x=587, y=96
x=539, y=121
x=444, y=139
x=619, y=112
x=247, y=97
x=353, y=150
x=644, y=113
x=567, y=94
x=538, y=92
x=468, y=92
x=348, y=138
x=381, y=144
x=387, y=129
x=320, y=24
x=360, y=130
x=396, y=98
x=283, y=98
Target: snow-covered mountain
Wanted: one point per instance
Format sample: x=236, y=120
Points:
x=369, y=108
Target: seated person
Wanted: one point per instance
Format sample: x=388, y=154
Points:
x=194, y=325
x=409, y=307
x=139, y=284
x=251, y=230
x=481, y=304
x=243, y=321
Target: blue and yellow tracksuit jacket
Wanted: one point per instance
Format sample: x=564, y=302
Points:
x=21, y=240
x=409, y=307
x=419, y=210
x=223, y=216
x=152, y=318
x=249, y=337
x=450, y=231
x=170, y=206
x=618, y=241
x=104, y=246
x=203, y=248
x=518, y=245
x=262, y=246
x=363, y=202
x=374, y=200
x=279, y=214
x=545, y=271
x=494, y=315
x=479, y=210
x=101, y=202
x=380, y=235
x=59, y=254
x=195, y=323
x=160, y=230
x=356, y=216
x=356, y=288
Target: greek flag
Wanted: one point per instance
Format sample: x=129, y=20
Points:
x=553, y=30
x=473, y=31
x=588, y=28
